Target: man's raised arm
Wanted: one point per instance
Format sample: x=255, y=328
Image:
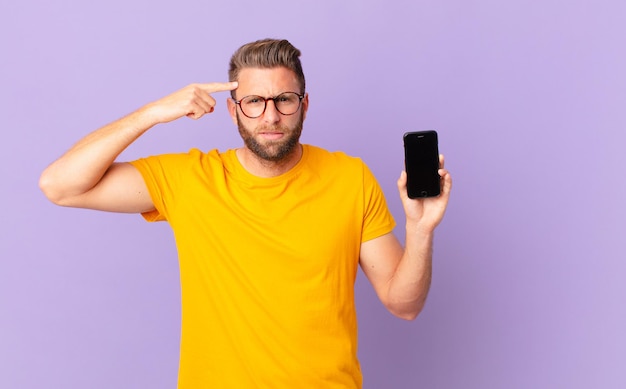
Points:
x=86, y=176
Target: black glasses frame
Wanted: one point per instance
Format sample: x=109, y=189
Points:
x=265, y=99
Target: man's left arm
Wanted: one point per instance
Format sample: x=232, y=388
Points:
x=401, y=276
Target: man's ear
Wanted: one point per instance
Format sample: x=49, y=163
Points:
x=232, y=109
x=305, y=105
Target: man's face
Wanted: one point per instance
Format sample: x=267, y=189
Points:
x=271, y=136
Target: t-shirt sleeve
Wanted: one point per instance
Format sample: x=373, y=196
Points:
x=377, y=220
x=159, y=174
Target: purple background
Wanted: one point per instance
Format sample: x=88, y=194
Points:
x=529, y=101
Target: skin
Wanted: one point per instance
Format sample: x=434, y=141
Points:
x=87, y=176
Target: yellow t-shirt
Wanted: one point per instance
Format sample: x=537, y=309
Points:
x=267, y=266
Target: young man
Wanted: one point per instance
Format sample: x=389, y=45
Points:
x=269, y=235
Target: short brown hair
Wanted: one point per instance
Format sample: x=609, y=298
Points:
x=267, y=54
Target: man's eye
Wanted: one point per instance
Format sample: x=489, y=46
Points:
x=253, y=100
x=286, y=99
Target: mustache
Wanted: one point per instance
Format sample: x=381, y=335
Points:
x=272, y=128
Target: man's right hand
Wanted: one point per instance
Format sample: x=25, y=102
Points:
x=193, y=101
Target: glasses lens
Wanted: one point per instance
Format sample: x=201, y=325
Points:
x=287, y=103
x=252, y=106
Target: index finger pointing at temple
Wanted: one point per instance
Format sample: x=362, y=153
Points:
x=219, y=86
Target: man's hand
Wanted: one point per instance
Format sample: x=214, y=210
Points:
x=425, y=214
x=193, y=101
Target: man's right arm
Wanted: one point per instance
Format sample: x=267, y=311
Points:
x=86, y=176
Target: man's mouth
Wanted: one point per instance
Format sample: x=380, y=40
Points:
x=271, y=135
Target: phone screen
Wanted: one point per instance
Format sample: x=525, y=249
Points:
x=421, y=158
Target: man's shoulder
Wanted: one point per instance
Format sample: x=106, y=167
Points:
x=192, y=160
x=321, y=154
x=192, y=155
x=340, y=165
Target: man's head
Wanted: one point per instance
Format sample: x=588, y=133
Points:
x=269, y=74
x=267, y=54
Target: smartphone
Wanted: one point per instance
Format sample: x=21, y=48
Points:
x=421, y=159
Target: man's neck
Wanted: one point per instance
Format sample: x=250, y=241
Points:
x=267, y=169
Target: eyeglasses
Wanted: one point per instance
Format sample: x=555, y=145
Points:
x=286, y=103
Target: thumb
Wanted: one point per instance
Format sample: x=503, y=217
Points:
x=402, y=184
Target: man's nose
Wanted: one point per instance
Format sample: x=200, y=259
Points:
x=271, y=114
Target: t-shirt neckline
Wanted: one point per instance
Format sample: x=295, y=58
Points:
x=239, y=171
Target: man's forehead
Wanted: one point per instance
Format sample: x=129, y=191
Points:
x=267, y=80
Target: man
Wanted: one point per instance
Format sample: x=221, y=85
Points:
x=269, y=235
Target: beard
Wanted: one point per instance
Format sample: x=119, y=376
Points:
x=273, y=150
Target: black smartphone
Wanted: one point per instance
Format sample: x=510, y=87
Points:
x=421, y=159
